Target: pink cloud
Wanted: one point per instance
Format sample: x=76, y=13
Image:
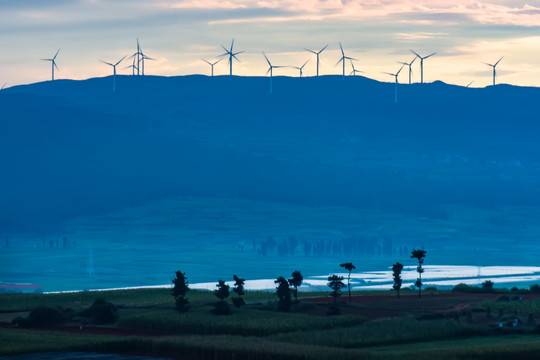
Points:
x=493, y=12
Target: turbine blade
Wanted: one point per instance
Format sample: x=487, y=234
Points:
x=240, y=52
x=304, y=64
x=269, y=70
x=55, y=55
x=401, y=68
x=206, y=61
x=323, y=49
x=216, y=62
x=226, y=51
x=56, y=66
x=119, y=61
x=232, y=44
x=106, y=62
x=415, y=54
x=340, y=60
x=311, y=51
x=268, y=61
x=413, y=60
x=430, y=55
x=341, y=47
x=489, y=64
x=498, y=61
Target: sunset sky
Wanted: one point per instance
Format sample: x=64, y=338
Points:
x=178, y=33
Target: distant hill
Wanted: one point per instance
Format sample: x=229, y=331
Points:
x=71, y=148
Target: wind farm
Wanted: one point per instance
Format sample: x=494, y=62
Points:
x=365, y=189
x=137, y=67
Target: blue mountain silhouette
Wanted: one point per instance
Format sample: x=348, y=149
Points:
x=71, y=148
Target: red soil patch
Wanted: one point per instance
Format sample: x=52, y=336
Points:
x=382, y=306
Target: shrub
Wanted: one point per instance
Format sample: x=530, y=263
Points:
x=534, y=288
x=487, y=286
x=464, y=288
x=43, y=316
x=101, y=312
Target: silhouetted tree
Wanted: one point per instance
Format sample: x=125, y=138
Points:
x=296, y=281
x=222, y=292
x=283, y=292
x=239, y=290
x=487, y=286
x=396, y=269
x=350, y=267
x=419, y=255
x=335, y=283
x=180, y=289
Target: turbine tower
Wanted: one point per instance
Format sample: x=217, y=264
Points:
x=138, y=53
x=343, y=58
x=133, y=67
x=211, y=64
x=318, y=53
x=144, y=57
x=494, y=71
x=396, y=76
x=270, y=68
x=114, y=70
x=231, y=54
x=410, y=68
x=53, y=63
x=422, y=64
x=354, y=71
x=300, y=68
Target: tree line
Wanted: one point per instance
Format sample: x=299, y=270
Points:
x=286, y=288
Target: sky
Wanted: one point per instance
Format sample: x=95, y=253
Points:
x=178, y=33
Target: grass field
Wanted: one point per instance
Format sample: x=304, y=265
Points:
x=441, y=325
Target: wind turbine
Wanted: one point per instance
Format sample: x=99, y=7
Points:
x=53, y=63
x=133, y=67
x=410, y=68
x=343, y=58
x=354, y=71
x=3, y=86
x=144, y=57
x=396, y=76
x=494, y=66
x=469, y=84
x=300, y=68
x=271, y=67
x=422, y=64
x=211, y=64
x=138, y=53
x=231, y=55
x=114, y=70
x=318, y=53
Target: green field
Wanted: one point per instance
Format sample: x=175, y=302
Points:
x=441, y=325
